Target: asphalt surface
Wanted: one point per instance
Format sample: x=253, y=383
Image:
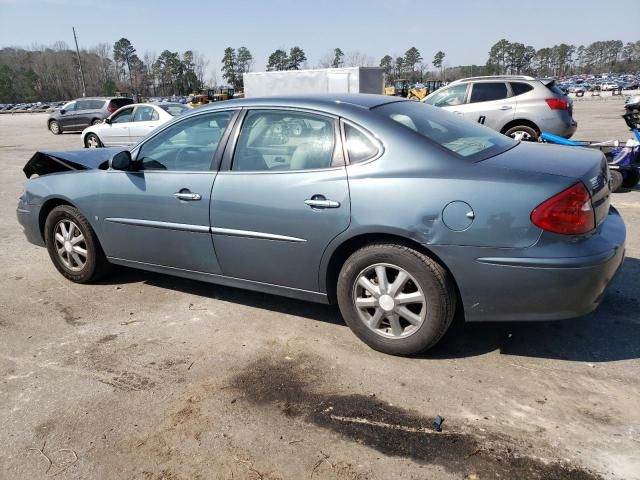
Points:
x=147, y=376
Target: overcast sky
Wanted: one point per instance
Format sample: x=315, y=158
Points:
x=463, y=29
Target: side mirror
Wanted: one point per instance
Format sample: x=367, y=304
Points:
x=121, y=160
x=63, y=111
x=107, y=121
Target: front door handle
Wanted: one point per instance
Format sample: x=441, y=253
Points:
x=187, y=196
x=505, y=107
x=321, y=202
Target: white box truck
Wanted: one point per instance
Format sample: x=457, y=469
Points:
x=325, y=80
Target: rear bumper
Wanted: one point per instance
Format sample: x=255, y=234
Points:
x=531, y=288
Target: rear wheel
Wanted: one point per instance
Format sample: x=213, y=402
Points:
x=54, y=127
x=616, y=180
x=92, y=141
x=96, y=121
x=396, y=299
x=630, y=178
x=522, y=132
x=73, y=246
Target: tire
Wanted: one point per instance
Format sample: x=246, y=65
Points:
x=95, y=264
x=92, y=141
x=54, y=127
x=431, y=316
x=631, y=178
x=616, y=180
x=529, y=134
x=96, y=121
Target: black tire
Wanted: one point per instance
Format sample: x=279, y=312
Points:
x=616, y=180
x=630, y=178
x=54, y=127
x=88, y=139
x=96, y=121
x=434, y=282
x=531, y=135
x=95, y=265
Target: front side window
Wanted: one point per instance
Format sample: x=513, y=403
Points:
x=487, y=92
x=69, y=107
x=359, y=146
x=189, y=145
x=272, y=140
x=123, y=116
x=448, y=97
x=465, y=138
x=145, y=114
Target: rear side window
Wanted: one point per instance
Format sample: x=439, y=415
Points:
x=520, y=88
x=359, y=146
x=96, y=104
x=83, y=105
x=468, y=140
x=116, y=103
x=486, y=92
x=174, y=109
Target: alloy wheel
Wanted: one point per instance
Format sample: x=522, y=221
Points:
x=92, y=141
x=389, y=300
x=70, y=245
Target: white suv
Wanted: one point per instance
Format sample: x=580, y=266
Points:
x=519, y=106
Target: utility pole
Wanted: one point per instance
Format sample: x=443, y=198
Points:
x=84, y=88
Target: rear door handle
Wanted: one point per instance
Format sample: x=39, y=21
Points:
x=321, y=203
x=187, y=196
x=505, y=107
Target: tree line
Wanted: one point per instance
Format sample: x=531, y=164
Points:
x=51, y=72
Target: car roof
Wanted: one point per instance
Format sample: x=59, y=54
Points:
x=328, y=102
x=494, y=77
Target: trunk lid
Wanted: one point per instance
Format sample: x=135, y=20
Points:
x=584, y=164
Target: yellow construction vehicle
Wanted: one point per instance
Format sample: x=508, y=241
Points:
x=210, y=95
x=402, y=88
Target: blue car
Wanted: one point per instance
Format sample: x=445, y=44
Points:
x=399, y=212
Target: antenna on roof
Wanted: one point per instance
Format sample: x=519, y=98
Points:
x=84, y=89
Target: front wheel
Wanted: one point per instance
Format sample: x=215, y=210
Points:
x=396, y=299
x=54, y=127
x=92, y=141
x=73, y=246
x=522, y=132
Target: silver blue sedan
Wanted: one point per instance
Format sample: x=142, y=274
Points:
x=398, y=211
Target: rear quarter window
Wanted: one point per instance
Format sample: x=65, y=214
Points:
x=120, y=102
x=519, y=88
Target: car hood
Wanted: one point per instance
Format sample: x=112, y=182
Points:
x=44, y=163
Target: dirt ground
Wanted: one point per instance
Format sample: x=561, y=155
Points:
x=147, y=376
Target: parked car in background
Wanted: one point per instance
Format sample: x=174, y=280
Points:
x=606, y=86
x=130, y=124
x=518, y=106
x=78, y=114
x=400, y=212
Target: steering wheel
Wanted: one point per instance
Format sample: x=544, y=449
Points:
x=183, y=152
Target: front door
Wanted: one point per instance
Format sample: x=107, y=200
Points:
x=159, y=214
x=281, y=199
x=116, y=132
x=145, y=119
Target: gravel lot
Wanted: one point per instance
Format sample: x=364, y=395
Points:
x=147, y=376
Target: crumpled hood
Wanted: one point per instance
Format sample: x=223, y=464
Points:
x=44, y=163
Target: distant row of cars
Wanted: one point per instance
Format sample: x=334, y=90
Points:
x=30, y=107
x=582, y=84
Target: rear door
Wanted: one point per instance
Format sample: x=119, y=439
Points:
x=280, y=198
x=491, y=104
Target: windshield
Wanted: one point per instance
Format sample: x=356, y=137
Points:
x=467, y=139
x=174, y=109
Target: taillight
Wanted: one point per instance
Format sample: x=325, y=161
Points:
x=557, y=103
x=570, y=212
x=111, y=108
